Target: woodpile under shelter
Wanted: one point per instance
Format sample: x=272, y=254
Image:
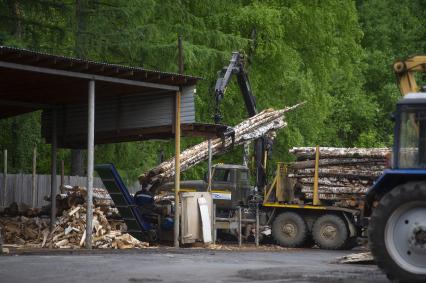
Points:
x=86, y=103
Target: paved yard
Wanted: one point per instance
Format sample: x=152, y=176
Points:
x=186, y=265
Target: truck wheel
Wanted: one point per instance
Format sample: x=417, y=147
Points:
x=330, y=232
x=289, y=229
x=397, y=233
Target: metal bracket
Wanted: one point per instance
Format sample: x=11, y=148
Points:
x=230, y=132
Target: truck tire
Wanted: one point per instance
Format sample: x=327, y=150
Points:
x=397, y=233
x=330, y=232
x=289, y=229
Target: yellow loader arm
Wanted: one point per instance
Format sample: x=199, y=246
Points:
x=404, y=71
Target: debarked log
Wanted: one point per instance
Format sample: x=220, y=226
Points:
x=335, y=182
x=359, y=162
x=253, y=128
x=336, y=190
x=325, y=172
x=304, y=153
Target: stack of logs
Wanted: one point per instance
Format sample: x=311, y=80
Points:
x=345, y=174
x=263, y=124
x=70, y=229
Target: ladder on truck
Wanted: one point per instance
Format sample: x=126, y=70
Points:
x=137, y=226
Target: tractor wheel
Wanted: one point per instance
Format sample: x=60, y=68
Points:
x=397, y=233
x=330, y=232
x=289, y=229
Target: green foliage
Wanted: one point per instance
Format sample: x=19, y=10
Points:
x=335, y=55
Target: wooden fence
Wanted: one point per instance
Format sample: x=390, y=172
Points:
x=19, y=187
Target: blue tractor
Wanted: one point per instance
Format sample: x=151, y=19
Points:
x=396, y=204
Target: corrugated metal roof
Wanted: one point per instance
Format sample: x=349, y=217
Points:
x=35, y=58
x=31, y=81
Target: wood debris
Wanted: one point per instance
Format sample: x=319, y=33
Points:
x=345, y=174
x=360, y=258
x=264, y=123
x=69, y=232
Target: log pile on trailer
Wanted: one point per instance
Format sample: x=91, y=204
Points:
x=264, y=123
x=345, y=174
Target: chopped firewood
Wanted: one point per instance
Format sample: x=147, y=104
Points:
x=83, y=239
x=69, y=231
x=74, y=210
x=62, y=243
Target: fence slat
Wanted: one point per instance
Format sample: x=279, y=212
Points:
x=19, y=187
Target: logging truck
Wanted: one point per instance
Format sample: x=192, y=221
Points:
x=295, y=223
x=292, y=219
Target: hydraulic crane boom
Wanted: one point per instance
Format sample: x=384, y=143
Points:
x=404, y=71
x=235, y=67
x=262, y=145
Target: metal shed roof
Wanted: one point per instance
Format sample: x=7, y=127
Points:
x=31, y=80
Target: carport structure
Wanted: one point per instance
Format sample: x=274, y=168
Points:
x=86, y=103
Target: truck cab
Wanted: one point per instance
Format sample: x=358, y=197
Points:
x=409, y=150
x=230, y=185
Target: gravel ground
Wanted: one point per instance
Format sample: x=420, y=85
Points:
x=186, y=265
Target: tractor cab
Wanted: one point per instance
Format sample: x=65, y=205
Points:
x=410, y=132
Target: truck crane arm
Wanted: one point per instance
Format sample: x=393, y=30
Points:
x=263, y=144
x=404, y=71
x=235, y=67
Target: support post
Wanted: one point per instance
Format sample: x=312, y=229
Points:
x=210, y=166
x=177, y=171
x=34, y=178
x=240, y=228
x=257, y=225
x=62, y=176
x=5, y=178
x=53, y=181
x=214, y=231
x=316, y=197
x=90, y=162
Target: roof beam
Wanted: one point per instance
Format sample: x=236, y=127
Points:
x=4, y=102
x=85, y=76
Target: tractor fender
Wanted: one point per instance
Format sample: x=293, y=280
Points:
x=389, y=180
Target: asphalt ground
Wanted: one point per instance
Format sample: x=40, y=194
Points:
x=185, y=265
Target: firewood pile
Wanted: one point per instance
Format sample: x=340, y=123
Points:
x=70, y=229
x=345, y=174
x=263, y=124
x=76, y=195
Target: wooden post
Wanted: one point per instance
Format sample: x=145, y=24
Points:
x=90, y=162
x=209, y=146
x=34, y=178
x=240, y=228
x=62, y=176
x=177, y=171
x=5, y=179
x=257, y=225
x=53, y=182
x=180, y=55
x=214, y=232
x=316, y=197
